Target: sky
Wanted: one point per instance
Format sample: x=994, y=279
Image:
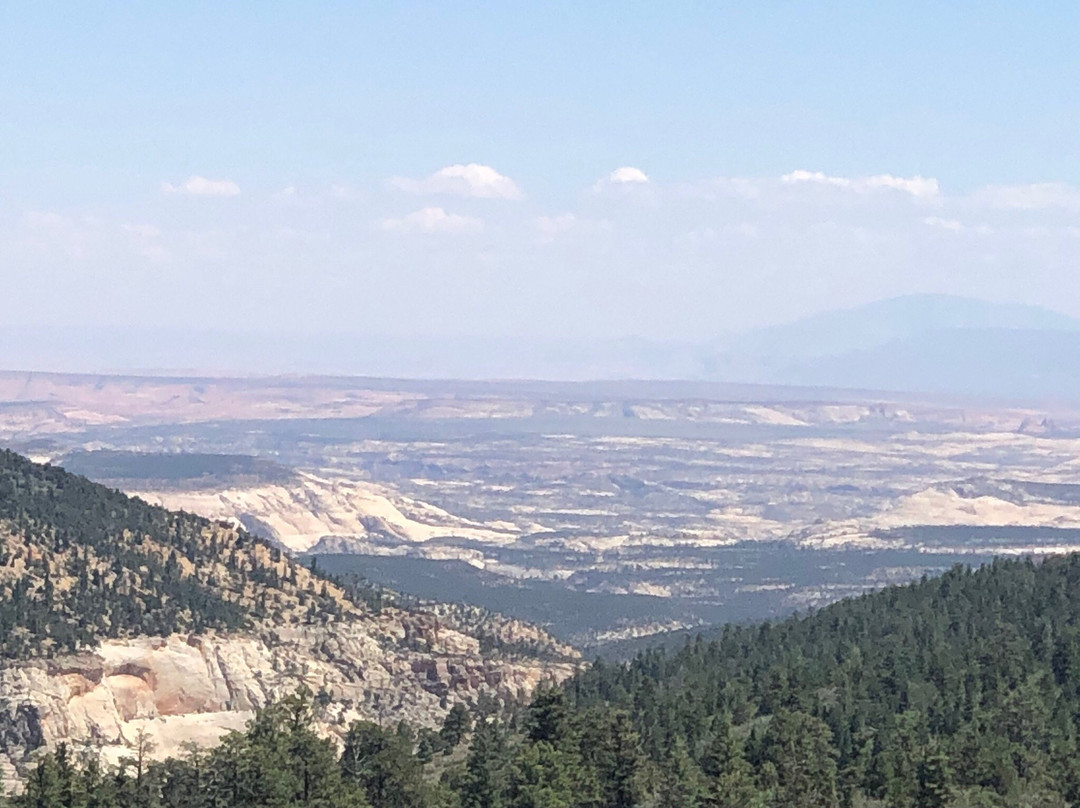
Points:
x=573, y=170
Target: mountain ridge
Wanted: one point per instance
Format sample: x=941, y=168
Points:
x=810, y=351
x=895, y=318
x=937, y=344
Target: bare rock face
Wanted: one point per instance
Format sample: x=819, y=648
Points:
x=179, y=690
x=328, y=511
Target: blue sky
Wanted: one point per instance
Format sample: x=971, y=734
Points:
x=277, y=164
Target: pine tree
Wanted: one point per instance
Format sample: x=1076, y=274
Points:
x=455, y=726
x=729, y=777
x=486, y=778
x=799, y=746
x=547, y=716
x=610, y=747
x=682, y=784
x=934, y=777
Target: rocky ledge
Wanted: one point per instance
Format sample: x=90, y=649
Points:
x=191, y=689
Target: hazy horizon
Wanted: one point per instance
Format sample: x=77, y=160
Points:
x=565, y=172
x=931, y=344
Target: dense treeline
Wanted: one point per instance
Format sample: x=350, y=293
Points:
x=278, y=761
x=963, y=689
x=80, y=562
x=592, y=759
x=959, y=691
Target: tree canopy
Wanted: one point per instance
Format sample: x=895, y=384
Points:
x=959, y=691
x=80, y=562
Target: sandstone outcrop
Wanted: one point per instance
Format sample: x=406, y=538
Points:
x=186, y=689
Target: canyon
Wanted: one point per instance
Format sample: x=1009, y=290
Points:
x=605, y=511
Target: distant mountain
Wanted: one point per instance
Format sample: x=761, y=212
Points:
x=841, y=331
x=995, y=362
x=919, y=343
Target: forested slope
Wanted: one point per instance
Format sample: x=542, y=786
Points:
x=81, y=562
x=962, y=690
x=964, y=687
x=185, y=628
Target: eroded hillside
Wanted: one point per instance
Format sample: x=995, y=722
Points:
x=605, y=511
x=120, y=618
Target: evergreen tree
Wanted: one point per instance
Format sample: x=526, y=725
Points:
x=610, y=747
x=547, y=716
x=486, y=777
x=934, y=790
x=730, y=780
x=455, y=726
x=382, y=764
x=799, y=747
x=682, y=784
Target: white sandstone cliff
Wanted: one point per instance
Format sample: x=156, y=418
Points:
x=192, y=689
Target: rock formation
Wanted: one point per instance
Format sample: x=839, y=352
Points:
x=184, y=689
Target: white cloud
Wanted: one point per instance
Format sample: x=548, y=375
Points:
x=801, y=175
x=622, y=177
x=201, y=186
x=433, y=220
x=1034, y=196
x=1037, y=231
x=685, y=254
x=628, y=174
x=916, y=186
x=472, y=180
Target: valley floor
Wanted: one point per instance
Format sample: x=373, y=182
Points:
x=608, y=512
